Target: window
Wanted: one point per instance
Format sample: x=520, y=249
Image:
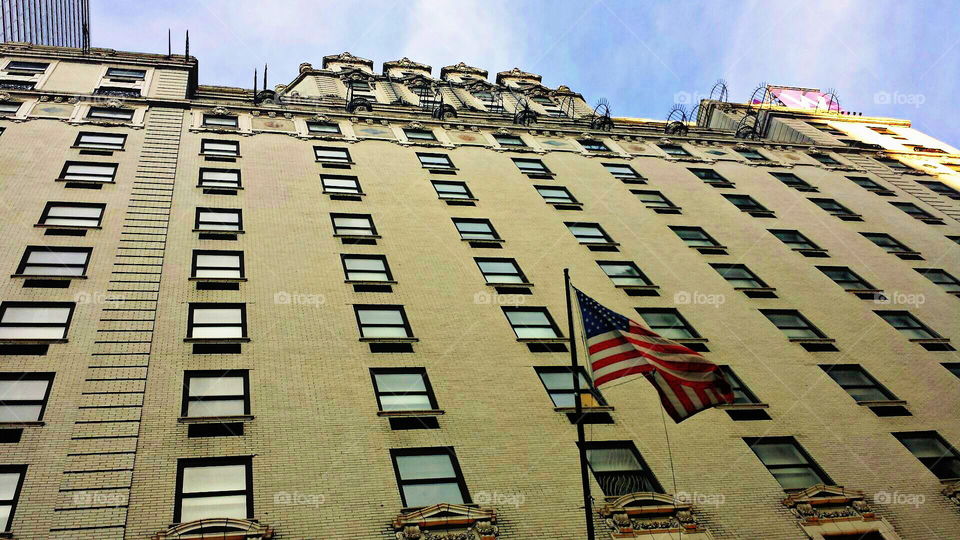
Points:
x=589, y=233
x=435, y=161
x=908, y=325
x=216, y=393
x=787, y=462
x=858, y=383
x=213, y=488
x=403, y=389
x=220, y=121
x=793, y=324
x=793, y=181
x=887, y=242
x=54, y=261
x=593, y=145
x=23, y=397
x=741, y=394
x=624, y=273
x=83, y=171
x=475, y=229
x=381, y=321
x=220, y=178
x=419, y=135
x=510, y=140
x=915, y=211
x=353, y=225
x=559, y=384
x=9, y=107
x=219, y=219
x=126, y=73
x=952, y=367
x=747, y=203
x=340, y=184
x=868, y=184
x=217, y=321
x=624, y=172
x=100, y=141
x=11, y=481
x=531, y=166
x=452, y=190
x=323, y=127
x=941, y=278
x=954, y=239
x=500, y=270
x=331, y=154
x=654, y=199
x=532, y=323
x=892, y=163
x=361, y=89
x=934, y=452
x=882, y=130
x=941, y=188
x=548, y=105
x=109, y=113
x=846, y=278
x=619, y=468
x=674, y=150
x=217, y=264
x=834, y=208
x=214, y=147
x=26, y=67
x=366, y=268
x=825, y=159
x=711, y=176
x=695, y=237
x=35, y=320
x=739, y=276
x=795, y=240
x=428, y=476
x=668, y=323
x=753, y=155
x=556, y=195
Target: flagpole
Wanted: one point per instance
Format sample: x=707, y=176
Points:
x=581, y=440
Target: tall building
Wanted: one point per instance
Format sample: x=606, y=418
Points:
x=63, y=23
x=335, y=309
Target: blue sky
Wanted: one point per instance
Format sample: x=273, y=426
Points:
x=884, y=58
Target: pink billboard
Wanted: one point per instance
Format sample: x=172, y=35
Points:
x=803, y=98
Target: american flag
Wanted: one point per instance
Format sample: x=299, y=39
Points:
x=686, y=381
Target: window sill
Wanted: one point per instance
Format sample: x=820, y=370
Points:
x=26, y=424
x=361, y=282
x=71, y=227
x=812, y=252
x=567, y=206
x=743, y=406
x=600, y=244
x=87, y=182
x=760, y=213
x=216, y=340
x=711, y=250
x=931, y=221
x=540, y=176
x=484, y=240
x=907, y=255
x=929, y=340
x=215, y=419
x=40, y=276
x=209, y=155
x=217, y=231
x=389, y=340
x=758, y=292
x=441, y=170
x=9, y=341
x=425, y=412
x=524, y=285
x=358, y=236
x=449, y=200
x=721, y=184
x=849, y=217
x=567, y=410
x=812, y=340
x=867, y=294
x=542, y=340
x=110, y=150
x=882, y=192
x=224, y=188
x=332, y=162
x=665, y=209
x=881, y=402
x=219, y=279
x=638, y=287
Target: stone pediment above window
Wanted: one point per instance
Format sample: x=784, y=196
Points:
x=406, y=64
x=345, y=58
x=637, y=515
x=952, y=492
x=516, y=75
x=822, y=509
x=534, y=90
x=462, y=69
x=418, y=81
x=219, y=528
x=481, y=86
x=443, y=521
x=354, y=74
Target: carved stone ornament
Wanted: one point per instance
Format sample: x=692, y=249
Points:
x=113, y=104
x=665, y=140
x=464, y=69
x=447, y=521
x=502, y=131
x=952, y=492
x=346, y=58
x=220, y=528
x=740, y=146
x=321, y=118
x=821, y=503
x=814, y=150
x=638, y=515
x=306, y=66
x=220, y=111
x=405, y=63
x=415, y=125
x=4, y=96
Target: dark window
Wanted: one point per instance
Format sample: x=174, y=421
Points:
x=653, y=199
x=934, y=452
x=892, y=163
x=435, y=161
x=84, y=171
x=793, y=324
x=216, y=147
x=674, y=150
x=331, y=154
x=941, y=278
x=100, y=141
x=353, y=225
x=338, y=184
x=858, y=383
x=214, y=488
x=794, y=239
x=452, y=190
x=556, y=195
x=668, y=323
x=54, y=261
x=23, y=397
x=619, y=468
x=741, y=394
x=738, y=275
x=219, y=219
x=532, y=323
x=9, y=107
x=695, y=237
x=908, y=325
x=126, y=73
x=710, y=176
x=623, y=172
x=746, y=203
x=941, y=188
x=559, y=384
x=428, y=476
x=323, y=127
x=419, y=135
x=403, y=389
x=220, y=121
x=209, y=320
x=753, y=155
x=475, y=229
x=361, y=89
x=35, y=320
x=26, y=67
x=887, y=242
x=382, y=321
x=913, y=210
x=11, y=482
x=589, y=233
x=846, y=278
x=220, y=178
x=787, y=462
x=366, y=268
x=110, y=113
x=531, y=166
x=624, y=273
x=832, y=207
x=826, y=159
x=217, y=264
x=214, y=393
x=952, y=367
x=509, y=140
x=867, y=183
x=954, y=239
x=594, y=145
x=500, y=270
x=793, y=181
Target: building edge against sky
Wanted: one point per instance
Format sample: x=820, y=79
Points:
x=334, y=308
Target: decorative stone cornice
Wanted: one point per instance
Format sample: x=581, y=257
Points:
x=405, y=63
x=225, y=529
x=447, y=521
x=462, y=69
x=516, y=73
x=346, y=58
x=822, y=502
x=639, y=514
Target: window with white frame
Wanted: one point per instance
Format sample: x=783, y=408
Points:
x=212, y=393
x=23, y=397
x=110, y=113
x=35, y=320
x=338, y=184
x=219, y=121
x=216, y=147
x=54, y=261
x=382, y=322
x=219, y=219
x=331, y=154
x=69, y=214
x=11, y=482
x=83, y=171
x=452, y=190
x=366, y=268
x=220, y=178
x=353, y=225
x=217, y=264
x=209, y=488
x=532, y=323
x=209, y=320
x=589, y=233
x=325, y=128
x=100, y=141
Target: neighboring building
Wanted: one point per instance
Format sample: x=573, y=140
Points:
x=61, y=23
x=327, y=310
